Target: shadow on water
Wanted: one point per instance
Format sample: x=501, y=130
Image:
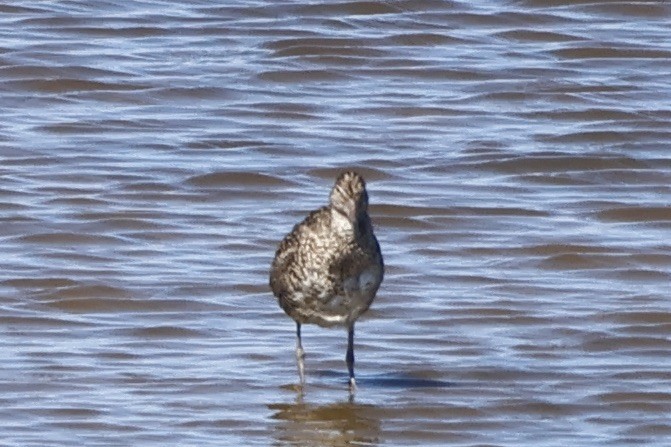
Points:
x=390, y=380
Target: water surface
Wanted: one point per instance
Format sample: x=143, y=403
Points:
x=152, y=155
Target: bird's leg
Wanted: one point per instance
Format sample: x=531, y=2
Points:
x=349, y=358
x=300, y=354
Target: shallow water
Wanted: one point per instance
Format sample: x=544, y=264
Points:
x=517, y=156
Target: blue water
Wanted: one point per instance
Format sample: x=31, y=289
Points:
x=153, y=155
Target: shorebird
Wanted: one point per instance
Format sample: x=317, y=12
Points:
x=328, y=269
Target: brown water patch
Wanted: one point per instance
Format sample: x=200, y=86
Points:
x=652, y=10
x=638, y=396
x=648, y=429
x=95, y=427
x=298, y=76
x=78, y=201
x=548, y=163
x=610, y=52
x=538, y=407
x=538, y=36
x=72, y=412
x=329, y=51
x=636, y=214
x=606, y=136
x=349, y=8
x=88, y=291
x=590, y=114
x=645, y=275
x=428, y=73
x=125, y=305
x=237, y=179
x=163, y=332
x=575, y=261
x=65, y=85
x=653, y=346
x=67, y=238
x=639, y=317
x=424, y=39
x=43, y=322
x=40, y=283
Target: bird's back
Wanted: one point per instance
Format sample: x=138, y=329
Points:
x=301, y=256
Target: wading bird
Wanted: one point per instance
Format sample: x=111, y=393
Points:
x=328, y=269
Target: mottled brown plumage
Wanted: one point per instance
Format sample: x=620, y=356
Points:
x=327, y=270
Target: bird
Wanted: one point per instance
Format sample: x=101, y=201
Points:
x=329, y=267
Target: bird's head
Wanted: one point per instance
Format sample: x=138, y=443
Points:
x=349, y=197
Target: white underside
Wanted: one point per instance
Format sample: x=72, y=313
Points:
x=345, y=309
x=338, y=310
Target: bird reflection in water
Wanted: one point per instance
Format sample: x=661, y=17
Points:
x=337, y=424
